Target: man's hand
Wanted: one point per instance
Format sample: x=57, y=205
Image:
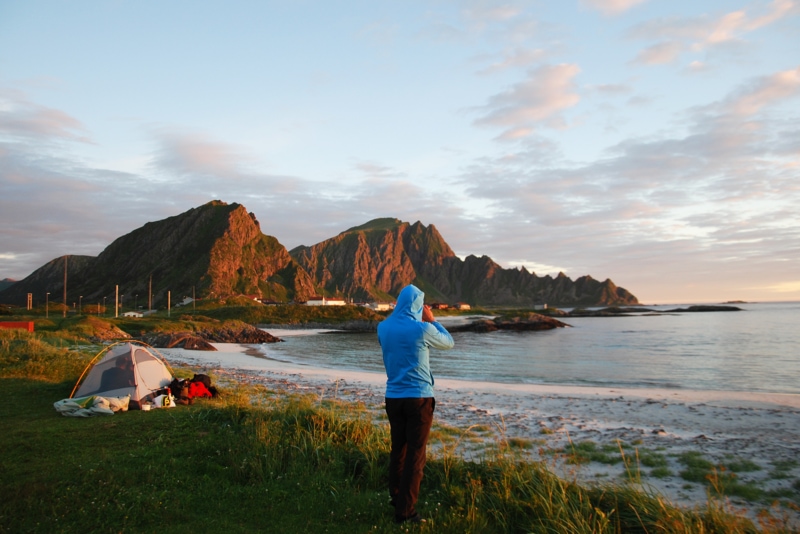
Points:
x=427, y=314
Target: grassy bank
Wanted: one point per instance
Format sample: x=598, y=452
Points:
x=257, y=460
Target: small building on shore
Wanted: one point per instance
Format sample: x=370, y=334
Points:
x=317, y=300
x=380, y=306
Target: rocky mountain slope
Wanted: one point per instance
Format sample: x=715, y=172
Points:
x=218, y=250
x=215, y=250
x=5, y=283
x=375, y=260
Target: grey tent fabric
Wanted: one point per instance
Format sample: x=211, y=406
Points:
x=126, y=369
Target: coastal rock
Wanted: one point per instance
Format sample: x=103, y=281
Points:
x=529, y=322
x=201, y=340
x=244, y=334
x=615, y=311
x=177, y=340
x=608, y=312
x=705, y=308
x=109, y=333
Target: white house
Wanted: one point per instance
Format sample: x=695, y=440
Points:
x=380, y=306
x=133, y=314
x=325, y=301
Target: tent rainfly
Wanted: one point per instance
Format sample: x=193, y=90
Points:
x=127, y=368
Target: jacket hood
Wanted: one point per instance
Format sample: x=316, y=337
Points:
x=410, y=302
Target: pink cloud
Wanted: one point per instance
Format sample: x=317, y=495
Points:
x=659, y=54
x=766, y=91
x=540, y=99
x=20, y=118
x=612, y=7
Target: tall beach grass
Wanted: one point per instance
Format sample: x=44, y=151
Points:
x=258, y=460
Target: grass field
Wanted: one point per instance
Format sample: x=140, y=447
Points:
x=256, y=460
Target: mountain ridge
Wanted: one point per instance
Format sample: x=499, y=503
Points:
x=415, y=253
x=218, y=250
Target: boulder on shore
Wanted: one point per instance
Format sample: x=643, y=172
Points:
x=201, y=340
x=244, y=333
x=177, y=340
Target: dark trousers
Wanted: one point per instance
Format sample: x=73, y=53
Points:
x=410, y=421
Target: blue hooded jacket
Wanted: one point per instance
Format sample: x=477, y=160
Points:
x=405, y=339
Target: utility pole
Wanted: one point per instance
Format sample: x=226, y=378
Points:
x=116, y=301
x=150, y=294
x=65, y=286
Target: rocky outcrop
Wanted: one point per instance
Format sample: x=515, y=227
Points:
x=705, y=308
x=106, y=333
x=376, y=260
x=528, y=322
x=244, y=334
x=608, y=312
x=621, y=312
x=203, y=339
x=177, y=340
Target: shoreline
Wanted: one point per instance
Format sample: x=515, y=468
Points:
x=759, y=430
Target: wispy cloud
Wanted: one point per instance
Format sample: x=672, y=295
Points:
x=765, y=91
x=659, y=53
x=517, y=57
x=732, y=25
x=679, y=35
x=193, y=154
x=725, y=189
x=537, y=101
x=612, y=7
x=21, y=119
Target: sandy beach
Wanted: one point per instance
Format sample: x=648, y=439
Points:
x=758, y=430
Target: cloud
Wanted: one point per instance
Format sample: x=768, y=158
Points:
x=610, y=89
x=736, y=23
x=193, y=154
x=679, y=35
x=514, y=58
x=611, y=7
x=23, y=120
x=482, y=12
x=539, y=100
x=784, y=287
x=719, y=197
x=765, y=91
x=659, y=54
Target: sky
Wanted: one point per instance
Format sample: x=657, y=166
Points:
x=652, y=142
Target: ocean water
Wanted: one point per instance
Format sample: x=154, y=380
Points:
x=757, y=349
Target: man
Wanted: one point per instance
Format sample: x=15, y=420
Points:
x=405, y=337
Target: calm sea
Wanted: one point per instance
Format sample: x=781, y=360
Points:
x=757, y=349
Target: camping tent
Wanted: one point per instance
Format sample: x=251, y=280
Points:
x=127, y=368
